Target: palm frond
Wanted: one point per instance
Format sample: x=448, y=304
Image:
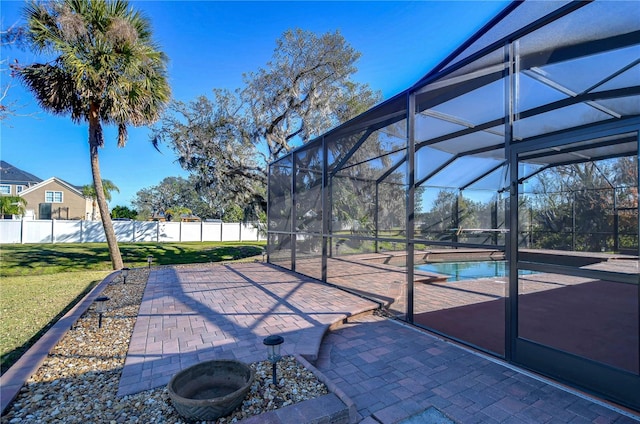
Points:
x=54, y=89
x=104, y=57
x=122, y=135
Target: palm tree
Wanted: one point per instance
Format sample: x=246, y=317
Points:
x=12, y=205
x=176, y=213
x=105, y=70
x=90, y=191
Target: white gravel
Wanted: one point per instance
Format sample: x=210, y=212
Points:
x=78, y=381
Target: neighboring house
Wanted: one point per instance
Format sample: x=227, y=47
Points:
x=56, y=199
x=49, y=199
x=13, y=180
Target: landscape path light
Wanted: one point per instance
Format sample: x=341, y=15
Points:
x=264, y=255
x=125, y=274
x=101, y=307
x=149, y=260
x=273, y=343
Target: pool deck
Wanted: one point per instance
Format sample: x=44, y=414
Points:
x=382, y=277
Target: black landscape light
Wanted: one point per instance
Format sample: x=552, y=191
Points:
x=264, y=254
x=125, y=274
x=101, y=307
x=273, y=343
x=149, y=260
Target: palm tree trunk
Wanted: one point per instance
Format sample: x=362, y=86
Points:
x=94, y=144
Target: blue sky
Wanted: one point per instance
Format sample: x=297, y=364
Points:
x=210, y=44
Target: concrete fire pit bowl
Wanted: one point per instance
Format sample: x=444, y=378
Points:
x=210, y=390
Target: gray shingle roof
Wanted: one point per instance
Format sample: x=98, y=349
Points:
x=9, y=174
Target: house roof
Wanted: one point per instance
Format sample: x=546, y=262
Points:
x=39, y=186
x=9, y=174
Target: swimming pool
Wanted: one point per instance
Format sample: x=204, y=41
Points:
x=469, y=270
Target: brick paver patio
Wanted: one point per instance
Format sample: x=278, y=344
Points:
x=392, y=372
x=389, y=370
x=194, y=314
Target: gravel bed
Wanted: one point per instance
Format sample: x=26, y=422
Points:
x=78, y=381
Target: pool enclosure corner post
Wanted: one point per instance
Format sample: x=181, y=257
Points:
x=410, y=200
x=269, y=171
x=456, y=218
x=511, y=215
x=638, y=212
x=329, y=208
x=326, y=216
x=294, y=228
x=376, y=223
x=616, y=222
x=494, y=221
x=573, y=220
x=638, y=223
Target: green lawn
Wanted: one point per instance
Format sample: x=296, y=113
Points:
x=29, y=306
x=38, y=259
x=39, y=283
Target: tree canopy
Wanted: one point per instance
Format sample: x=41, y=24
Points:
x=12, y=205
x=175, y=194
x=120, y=211
x=227, y=140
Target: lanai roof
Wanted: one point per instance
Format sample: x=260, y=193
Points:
x=588, y=67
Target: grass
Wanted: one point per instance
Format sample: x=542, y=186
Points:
x=40, y=259
x=39, y=283
x=29, y=306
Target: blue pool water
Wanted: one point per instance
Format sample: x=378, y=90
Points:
x=469, y=270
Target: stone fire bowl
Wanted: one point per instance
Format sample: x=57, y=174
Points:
x=210, y=390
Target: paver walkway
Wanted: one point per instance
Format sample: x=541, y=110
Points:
x=392, y=372
x=194, y=314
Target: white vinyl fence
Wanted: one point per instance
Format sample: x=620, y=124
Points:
x=63, y=231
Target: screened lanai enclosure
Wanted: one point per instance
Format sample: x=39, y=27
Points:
x=495, y=202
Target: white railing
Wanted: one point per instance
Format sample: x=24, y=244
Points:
x=63, y=231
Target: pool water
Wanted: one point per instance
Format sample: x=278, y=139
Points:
x=469, y=270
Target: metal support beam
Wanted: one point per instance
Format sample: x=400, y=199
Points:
x=326, y=213
x=411, y=121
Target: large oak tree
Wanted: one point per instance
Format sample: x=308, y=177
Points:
x=175, y=193
x=227, y=140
